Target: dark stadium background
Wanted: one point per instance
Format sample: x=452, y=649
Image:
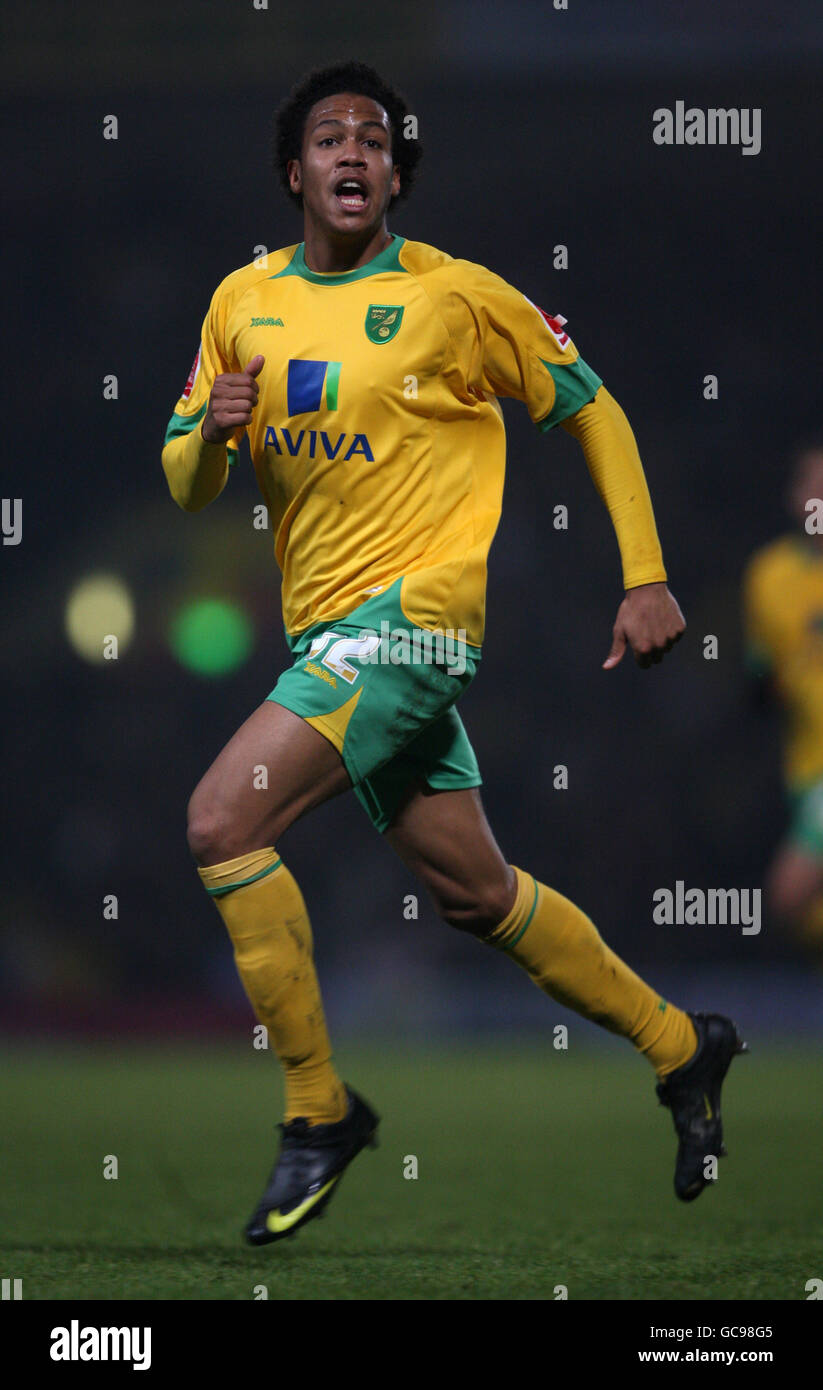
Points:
x=537, y=128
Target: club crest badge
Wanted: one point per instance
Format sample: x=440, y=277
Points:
x=383, y=322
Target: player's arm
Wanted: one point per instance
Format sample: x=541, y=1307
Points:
x=197, y=471
x=513, y=348
x=210, y=418
x=196, y=463
x=649, y=619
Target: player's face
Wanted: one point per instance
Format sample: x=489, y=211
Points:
x=346, y=173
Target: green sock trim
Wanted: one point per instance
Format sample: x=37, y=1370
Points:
x=242, y=882
x=510, y=944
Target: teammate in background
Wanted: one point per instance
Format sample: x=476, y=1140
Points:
x=365, y=369
x=783, y=614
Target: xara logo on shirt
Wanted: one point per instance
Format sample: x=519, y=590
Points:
x=307, y=382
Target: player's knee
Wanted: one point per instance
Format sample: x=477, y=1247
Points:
x=481, y=907
x=207, y=831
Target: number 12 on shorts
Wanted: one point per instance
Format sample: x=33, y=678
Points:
x=342, y=647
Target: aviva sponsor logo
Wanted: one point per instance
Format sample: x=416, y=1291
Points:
x=317, y=443
x=308, y=384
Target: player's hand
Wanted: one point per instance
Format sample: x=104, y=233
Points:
x=650, y=622
x=232, y=400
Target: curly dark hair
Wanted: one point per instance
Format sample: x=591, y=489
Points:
x=359, y=78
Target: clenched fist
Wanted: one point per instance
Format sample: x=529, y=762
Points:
x=232, y=400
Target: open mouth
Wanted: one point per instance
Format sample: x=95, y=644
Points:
x=352, y=194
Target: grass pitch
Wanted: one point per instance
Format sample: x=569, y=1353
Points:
x=535, y=1169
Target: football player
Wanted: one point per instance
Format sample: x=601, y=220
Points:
x=365, y=370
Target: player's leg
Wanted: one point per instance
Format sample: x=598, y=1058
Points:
x=273, y=770
x=445, y=838
x=335, y=713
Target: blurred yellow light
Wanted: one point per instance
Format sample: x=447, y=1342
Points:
x=99, y=608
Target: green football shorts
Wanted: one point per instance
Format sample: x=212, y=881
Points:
x=383, y=692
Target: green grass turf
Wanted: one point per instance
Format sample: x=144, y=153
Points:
x=536, y=1168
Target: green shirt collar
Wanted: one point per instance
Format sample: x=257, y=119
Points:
x=387, y=259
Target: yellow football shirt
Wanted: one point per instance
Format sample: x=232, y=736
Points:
x=783, y=604
x=378, y=440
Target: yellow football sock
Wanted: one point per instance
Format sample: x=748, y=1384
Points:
x=267, y=921
x=563, y=952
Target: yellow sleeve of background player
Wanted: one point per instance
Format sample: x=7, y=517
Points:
x=195, y=470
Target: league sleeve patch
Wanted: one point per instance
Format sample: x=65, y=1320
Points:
x=192, y=376
x=554, y=323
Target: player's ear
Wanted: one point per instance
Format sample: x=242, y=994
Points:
x=295, y=174
x=395, y=182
